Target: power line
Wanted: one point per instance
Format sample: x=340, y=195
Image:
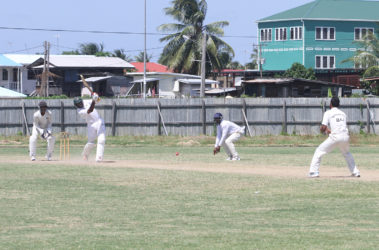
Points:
x=21, y=50
x=106, y=32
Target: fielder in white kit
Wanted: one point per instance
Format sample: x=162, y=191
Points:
x=95, y=126
x=338, y=137
x=227, y=133
x=42, y=126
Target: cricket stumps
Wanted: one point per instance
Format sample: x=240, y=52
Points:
x=64, y=146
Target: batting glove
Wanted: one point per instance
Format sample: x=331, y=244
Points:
x=95, y=97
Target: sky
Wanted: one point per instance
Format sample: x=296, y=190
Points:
x=123, y=16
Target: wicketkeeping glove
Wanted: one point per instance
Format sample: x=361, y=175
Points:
x=216, y=150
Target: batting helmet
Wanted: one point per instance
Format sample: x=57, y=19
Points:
x=77, y=100
x=217, y=116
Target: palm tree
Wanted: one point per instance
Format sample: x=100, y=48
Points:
x=91, y=48
x=121, y=54
x=139, y=57
x=183, y=50
x=368, y=54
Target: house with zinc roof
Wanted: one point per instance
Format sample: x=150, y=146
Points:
x=319, y=34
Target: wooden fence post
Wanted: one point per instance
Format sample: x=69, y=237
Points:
x=204, y=116
x=25, y=128
x=368, y=117
x=114, y=117
x=284, y=123
x=159, y=119
x=245, y=114
x=62, y=117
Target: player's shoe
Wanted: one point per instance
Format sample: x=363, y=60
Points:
x=100, y=159
x=230, y=158
x=313, y=175
x=236, y=158
x=356, y=175
x=33, y=158
x=85, y=158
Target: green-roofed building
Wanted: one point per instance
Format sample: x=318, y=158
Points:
x=319, y=34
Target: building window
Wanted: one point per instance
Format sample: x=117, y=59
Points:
x=280, y=34
x=31, y=75
x=5, y=75
x=266, y=35
x=296, y=33
x=325, y=33
x=15, y=75
x=360, y=33
x=325, y=62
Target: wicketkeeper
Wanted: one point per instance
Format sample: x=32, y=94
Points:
x=95, y=126
x=227, y=133
x=338, y=137
x=42, y=126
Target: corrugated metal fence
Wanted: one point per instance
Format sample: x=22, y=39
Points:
x=190, y=117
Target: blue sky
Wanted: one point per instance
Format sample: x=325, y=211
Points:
x=125, y=16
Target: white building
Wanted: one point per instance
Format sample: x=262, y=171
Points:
x=168, y=85
x=25, y=82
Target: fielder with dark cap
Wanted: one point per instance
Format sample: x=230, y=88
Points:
x=227, y=133
x=42, y=125
x=338, y=137
x=95, y=126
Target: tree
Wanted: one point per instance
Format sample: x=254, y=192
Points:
x=298, y=70
x=72, y=52
x=368, y=54
x=91, y=48
x=254, y=63
x=371, y=86
x=182, y=53
x=139, y=57
x=121, y=54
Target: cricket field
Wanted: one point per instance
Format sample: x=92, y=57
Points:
x=146, y=196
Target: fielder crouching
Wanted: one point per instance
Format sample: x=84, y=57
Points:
x=227, y=133
x=42, y=126
x=95, y=126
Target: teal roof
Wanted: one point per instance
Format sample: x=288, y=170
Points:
x=6, y=62
x=354, y=10
x=7, y=93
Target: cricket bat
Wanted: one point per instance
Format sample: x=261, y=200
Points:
x=85, y=83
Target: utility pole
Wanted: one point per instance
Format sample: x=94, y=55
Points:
x=144, y=59
x=260, y=59
x=203, y=58
x=44, y=89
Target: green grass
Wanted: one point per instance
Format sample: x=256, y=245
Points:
x=84, y=206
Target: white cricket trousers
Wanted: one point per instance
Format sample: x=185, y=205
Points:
x=228, y=144
x=95, y=130
x=33, y=143
x=340, y=141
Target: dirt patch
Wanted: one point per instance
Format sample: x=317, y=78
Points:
x=240, y=167
x=188, y=143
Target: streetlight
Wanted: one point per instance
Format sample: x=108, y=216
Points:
x=203, y=58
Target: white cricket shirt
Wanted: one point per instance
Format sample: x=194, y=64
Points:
x=90, y=118
x=42, y=121
x=336, y=120
x=224, y=130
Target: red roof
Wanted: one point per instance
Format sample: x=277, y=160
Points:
x=151, y=67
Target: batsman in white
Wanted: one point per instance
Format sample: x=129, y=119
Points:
x=42, y=126
x=227, y=133
x=338, y=137
x=95, y=126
